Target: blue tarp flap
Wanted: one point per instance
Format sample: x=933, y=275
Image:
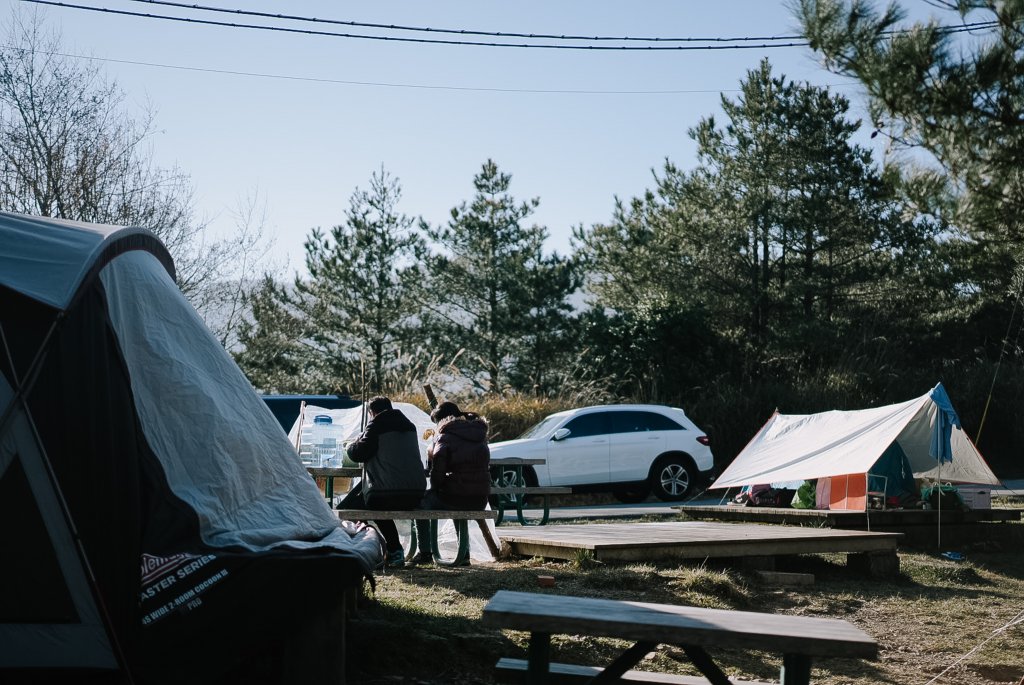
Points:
x=945, y=419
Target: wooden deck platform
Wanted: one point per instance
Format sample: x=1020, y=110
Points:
x=702, y=539
x=918, y=526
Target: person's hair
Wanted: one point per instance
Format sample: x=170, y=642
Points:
x=445, y=410
x=379, y=404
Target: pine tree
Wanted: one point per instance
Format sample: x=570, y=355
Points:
x=935, y=91
x=495, y=295
x=784, y=233
x=362, y=296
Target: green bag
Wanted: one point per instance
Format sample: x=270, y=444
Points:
x=805, y=497
x=949, y=494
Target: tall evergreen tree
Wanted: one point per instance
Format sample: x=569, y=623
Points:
x=362, y=293
x=271, y=352
x=495, y=294
x=956, y=96
x=781, y=233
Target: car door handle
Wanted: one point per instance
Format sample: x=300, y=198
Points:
x=654, y=437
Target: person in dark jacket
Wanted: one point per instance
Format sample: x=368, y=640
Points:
x=393, y=476
x=458, y=467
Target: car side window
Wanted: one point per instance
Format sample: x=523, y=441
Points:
x=588, y=424
x=639, y=421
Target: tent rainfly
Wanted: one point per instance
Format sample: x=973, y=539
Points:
x=920, y=438
x=157, y=525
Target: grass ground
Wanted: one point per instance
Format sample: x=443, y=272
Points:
x=939, y=621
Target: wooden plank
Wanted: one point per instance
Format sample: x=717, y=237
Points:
x=537, y=490
x=514, y=671
x=679, y=625
x=343, y=472
x=848, y=519
x=690, y=539
x=418, y=514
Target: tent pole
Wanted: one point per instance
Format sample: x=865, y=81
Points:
x=302, y=418
x=938, y=526
x=867, y=501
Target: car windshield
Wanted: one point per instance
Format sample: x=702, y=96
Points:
x=540, y=428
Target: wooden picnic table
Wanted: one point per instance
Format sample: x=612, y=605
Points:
x=329, y=474
x=694, y=629
x=508, y=473
x=509, y=486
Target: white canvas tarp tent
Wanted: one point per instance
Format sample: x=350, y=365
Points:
x=351, y=422
x=791, y=447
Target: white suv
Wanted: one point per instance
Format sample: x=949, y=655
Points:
x=628, y=449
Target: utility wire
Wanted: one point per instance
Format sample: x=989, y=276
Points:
x=433, y=41
x=718, y=43
x=385, y=84
x=957, y=28
x=1019, y=277
x=464, y=32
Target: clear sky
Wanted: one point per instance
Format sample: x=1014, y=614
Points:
x=305, y=145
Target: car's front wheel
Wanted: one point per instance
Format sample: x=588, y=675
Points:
x=671, y=479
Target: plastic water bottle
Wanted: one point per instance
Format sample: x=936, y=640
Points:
x=325, y=441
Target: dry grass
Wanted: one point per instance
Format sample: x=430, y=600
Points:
x=508, y=416
x=422, y=625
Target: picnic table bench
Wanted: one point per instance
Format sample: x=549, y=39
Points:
x=509, y=485
x=329, y=474
x=694, y=629
x=510, y=497
x=461, y=520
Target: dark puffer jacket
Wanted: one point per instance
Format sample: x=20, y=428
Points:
x=390, y=449
x=459, y=459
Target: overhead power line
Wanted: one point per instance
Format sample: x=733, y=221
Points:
x=957, y=28
x=434, y=41
x=562, y=42
x=466, y=32
x=420, y=86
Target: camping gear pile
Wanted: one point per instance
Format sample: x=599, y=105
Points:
x=158, y=526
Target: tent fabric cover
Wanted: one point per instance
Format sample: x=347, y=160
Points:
x=234, y=466
x=47, y=259
x=892, y=472
x=130, y=445
x=835, y=443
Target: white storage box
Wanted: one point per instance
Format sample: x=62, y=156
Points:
x=976, y=496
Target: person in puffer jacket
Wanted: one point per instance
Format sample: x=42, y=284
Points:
x=394, y=478
x=459, y=460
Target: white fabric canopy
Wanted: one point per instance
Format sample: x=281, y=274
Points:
x=834, y=443
x=350, y=421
